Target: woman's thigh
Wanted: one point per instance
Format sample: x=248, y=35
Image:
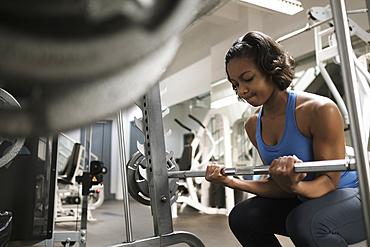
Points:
x=262, y=215
x=331, y=220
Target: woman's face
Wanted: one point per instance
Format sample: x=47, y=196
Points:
x=250, y=83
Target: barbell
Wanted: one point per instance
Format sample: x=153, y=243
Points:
x=138, y=185
x=7, y=100
x=312, y=166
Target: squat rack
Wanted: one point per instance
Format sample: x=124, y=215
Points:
x=354, y=110
x=157, y=174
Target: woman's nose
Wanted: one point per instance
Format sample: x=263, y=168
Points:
x=243, y=89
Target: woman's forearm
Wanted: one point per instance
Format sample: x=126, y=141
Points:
x=264, y=188
x=317, y=187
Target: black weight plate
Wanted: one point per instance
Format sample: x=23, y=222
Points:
x=138, y=186
x=133, y=187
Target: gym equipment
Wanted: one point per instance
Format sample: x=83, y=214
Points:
x=68, y=191
x=323, y=15
x=202, y=157
x=30, y=195
x=156, y=173
x=136, y=178
x=66, y=54
x=5, y=227
x=6, y=100
x=312, y=166
x=209, y=146
x=354, y=105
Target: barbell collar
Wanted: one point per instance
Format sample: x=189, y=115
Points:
x=312, y=166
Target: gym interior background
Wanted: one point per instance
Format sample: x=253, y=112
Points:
x=199, y=63
x=194, y=82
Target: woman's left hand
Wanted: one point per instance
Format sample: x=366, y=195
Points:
x=282, y=172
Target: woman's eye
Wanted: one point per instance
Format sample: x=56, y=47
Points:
x=250, y=79
x=234, y=86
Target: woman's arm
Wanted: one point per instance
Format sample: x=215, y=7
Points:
x=264, y=187
x=328, y=144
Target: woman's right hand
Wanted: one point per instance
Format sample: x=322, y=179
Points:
x=214, y=174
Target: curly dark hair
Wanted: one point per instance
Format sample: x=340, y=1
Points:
x=269, y=57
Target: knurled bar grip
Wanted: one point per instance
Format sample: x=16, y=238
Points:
x=312, y=166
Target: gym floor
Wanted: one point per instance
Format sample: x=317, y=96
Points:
x=109, y=226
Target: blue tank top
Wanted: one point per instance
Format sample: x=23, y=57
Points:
x=293, y=142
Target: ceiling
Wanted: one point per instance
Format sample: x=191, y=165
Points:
x=205, y=42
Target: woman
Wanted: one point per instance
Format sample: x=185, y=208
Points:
x=314, y=209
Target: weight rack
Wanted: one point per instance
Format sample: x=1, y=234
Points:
x=157, y=176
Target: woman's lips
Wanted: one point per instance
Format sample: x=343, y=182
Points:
x=249, y=97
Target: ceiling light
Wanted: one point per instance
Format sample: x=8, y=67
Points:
x=289, y=7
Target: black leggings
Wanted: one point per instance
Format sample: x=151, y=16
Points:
x=334, y=219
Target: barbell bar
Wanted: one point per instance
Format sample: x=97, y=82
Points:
x=312, y=166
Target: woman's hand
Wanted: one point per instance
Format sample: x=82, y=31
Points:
x=282, y=172
x=214, y=174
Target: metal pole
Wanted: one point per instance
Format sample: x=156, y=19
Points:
x=155, y=154
x=85, y=198
x=312, y=166
x=354, y=107
x=368, y=12
x=126, y=202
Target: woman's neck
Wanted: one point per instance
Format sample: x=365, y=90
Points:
x=276, y=104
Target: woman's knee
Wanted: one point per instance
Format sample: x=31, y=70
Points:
x=238, y=215
x=298, y=226
x=244, y=215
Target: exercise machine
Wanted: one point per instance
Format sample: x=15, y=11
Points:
x=211, y=143
x=68, y=190
x=318, y=17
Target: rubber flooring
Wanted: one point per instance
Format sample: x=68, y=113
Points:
x=108, y=227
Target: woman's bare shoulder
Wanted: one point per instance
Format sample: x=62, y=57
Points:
x=252, y=120
x=317, y=112
x=313, y=102
x=251, y=125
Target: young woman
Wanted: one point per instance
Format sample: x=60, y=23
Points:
x=313, y=209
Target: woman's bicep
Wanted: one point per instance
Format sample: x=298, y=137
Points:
x=328, y=133
x=328, y=140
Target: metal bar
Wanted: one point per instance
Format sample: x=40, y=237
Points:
x=302, y=30
x=368, y=12
x=165, y=240
x=155, y=154
x=354, y=106
x=333, y=89
x=85, y=198
x=313, y=166
x=309, y=27
x=126, y=201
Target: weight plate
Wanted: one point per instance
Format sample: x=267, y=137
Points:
x=16, y=143
x=133, y=187
x=140, y=178
x=136, y=178
x=77, y=58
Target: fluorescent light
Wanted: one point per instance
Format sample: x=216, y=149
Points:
x=219, y=82
x=289, y=7
x=224, y=102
